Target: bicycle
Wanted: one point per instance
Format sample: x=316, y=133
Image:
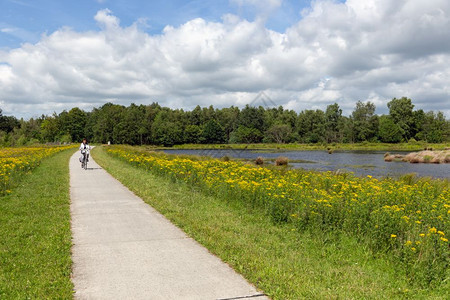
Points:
x=84, y=159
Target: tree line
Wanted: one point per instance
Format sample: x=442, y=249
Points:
x=157, y=125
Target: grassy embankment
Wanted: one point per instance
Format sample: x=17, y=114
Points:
x=35, y=242
x=365, y=146
x=435, y=157
x=286, y=263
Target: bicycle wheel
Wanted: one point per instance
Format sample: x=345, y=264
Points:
x=85, y=162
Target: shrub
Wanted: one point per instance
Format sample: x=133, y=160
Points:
x=282, y=161
x=259, y=160
x=388, y=158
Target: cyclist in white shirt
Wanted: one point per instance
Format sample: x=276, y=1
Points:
x=84, y=148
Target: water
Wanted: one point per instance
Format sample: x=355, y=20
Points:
x=361, y=163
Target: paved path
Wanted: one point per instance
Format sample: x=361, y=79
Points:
x=124, y=249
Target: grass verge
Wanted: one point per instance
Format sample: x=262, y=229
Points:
x=35, y=242
x=284, y=263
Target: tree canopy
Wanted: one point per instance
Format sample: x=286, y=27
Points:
x=153, y=124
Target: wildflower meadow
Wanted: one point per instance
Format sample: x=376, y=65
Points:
x=17, y=161
x=406, y=218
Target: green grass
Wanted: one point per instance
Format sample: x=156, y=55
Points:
x=35, y=242
x=284, y=263
x=364, y=146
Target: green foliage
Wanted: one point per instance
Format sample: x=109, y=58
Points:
x=193, y=134
x=279, y=133
x=166, y=133
x=146, y=124
x=389, y=131
x=8, y=123
x=401, y=112
x=106, y=119
x=213, y=133
x=311, y=126
x=49, y=129
x=65, y=139
x=246, y=135
x=365, y=122
x=74, y=124
x=131, y=127
x=252, y=117
x=334, y=123
x=435, y=127
x=228, y=117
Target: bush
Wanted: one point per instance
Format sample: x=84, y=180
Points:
x=65, y=138
x=282, y=161
x=388, y=157
x=259, y=161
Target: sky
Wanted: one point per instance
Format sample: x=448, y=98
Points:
x=56, y=55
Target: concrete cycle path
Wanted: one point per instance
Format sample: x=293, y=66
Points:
x=124, y=249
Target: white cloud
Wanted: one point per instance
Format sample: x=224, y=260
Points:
x=106, y=20
x=338, y=52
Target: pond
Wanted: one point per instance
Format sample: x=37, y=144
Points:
x=361, y=163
